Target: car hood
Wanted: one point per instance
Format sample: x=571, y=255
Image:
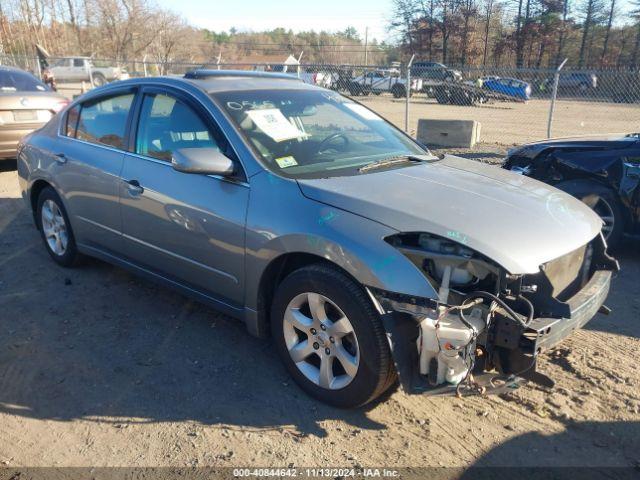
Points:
x=592, y=142
x=516, y=221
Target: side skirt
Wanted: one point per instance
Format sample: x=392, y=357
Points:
x=217, y=304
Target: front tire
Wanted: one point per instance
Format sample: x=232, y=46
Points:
x=55, y=228
x=330, y=337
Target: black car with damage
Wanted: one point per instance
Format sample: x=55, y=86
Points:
x=602, y=171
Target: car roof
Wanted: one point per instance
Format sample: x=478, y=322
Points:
x=8, y=68
x=236, y=80
x=215, y=81
x=223, y=81
x=205, y=73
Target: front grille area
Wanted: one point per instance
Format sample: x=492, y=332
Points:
x=561, y=279
x=568, y=273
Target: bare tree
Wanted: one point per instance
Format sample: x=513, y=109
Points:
x=468, y=12
x=562, y=34
x=607, y=34
x=635, y=13
x=488, y=13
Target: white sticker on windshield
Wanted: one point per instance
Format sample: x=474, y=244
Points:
x=362, y=111
x=272, y=122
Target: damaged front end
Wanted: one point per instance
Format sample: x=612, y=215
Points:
x=486, y=328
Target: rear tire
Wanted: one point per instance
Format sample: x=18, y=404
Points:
x=604, y=202
x=55, y=229
x=399, y=91
x=370, y=371
x=442, y=98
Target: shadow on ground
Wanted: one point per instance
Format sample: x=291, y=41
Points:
x=623, y=298
x=98, y=343
x=573, y=453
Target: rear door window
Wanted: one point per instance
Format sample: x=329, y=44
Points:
x=104, y=121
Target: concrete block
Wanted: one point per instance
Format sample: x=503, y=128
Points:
x=449, y=133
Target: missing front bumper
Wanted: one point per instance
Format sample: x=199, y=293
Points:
x=544, y=333
x=513, y=355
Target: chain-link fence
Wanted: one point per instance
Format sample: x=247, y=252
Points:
x=512, y=105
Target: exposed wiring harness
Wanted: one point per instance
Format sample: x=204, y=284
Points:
x=471, y=300
x=502, y=303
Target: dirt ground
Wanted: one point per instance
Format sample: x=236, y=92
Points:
x=510, y=123
x=100, y=368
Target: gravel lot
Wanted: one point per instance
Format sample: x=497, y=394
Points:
x=510, y=123
x=100, y=368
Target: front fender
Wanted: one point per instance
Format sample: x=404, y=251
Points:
x=351, y=242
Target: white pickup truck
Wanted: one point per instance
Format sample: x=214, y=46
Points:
x=81, y=69
x=381, y=81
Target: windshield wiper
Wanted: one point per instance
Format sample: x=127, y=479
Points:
x=386, y=162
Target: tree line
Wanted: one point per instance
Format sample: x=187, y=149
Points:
x=493, y=33
x=135, y=30
x=601, y=34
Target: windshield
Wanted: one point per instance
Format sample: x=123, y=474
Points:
x=17, y=81
x=313, y=133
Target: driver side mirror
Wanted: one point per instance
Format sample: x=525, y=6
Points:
x=207, y=161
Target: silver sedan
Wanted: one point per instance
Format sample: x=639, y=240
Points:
x=309, y=217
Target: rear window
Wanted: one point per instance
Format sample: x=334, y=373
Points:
x=102, y=121
x=17, y=81
x=72, y=121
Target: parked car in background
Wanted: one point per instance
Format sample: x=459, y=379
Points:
x=435, y=72
x=82, y=69
x=603, y=172
x=478, y=82
x=313, y=75
x=511, y=87
x=381, y=81
x=307, y=215
x=316, y=76
x=573, y=81
x=26, y=104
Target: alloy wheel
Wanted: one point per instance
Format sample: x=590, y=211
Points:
x=604, y=210
x=321, y=341
x=54, y=227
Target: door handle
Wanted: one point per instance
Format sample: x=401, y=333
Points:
x=61, y=158
x=134, y=188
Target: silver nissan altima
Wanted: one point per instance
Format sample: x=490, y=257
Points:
x=308, y=216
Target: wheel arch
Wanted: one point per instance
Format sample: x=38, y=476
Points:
x=588, y=184
x=34, y=192
x=275, y=272
x=582, y=184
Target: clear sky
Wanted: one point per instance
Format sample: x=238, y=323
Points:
x=329, y=15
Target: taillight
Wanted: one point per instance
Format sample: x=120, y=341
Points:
x=59, y=106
